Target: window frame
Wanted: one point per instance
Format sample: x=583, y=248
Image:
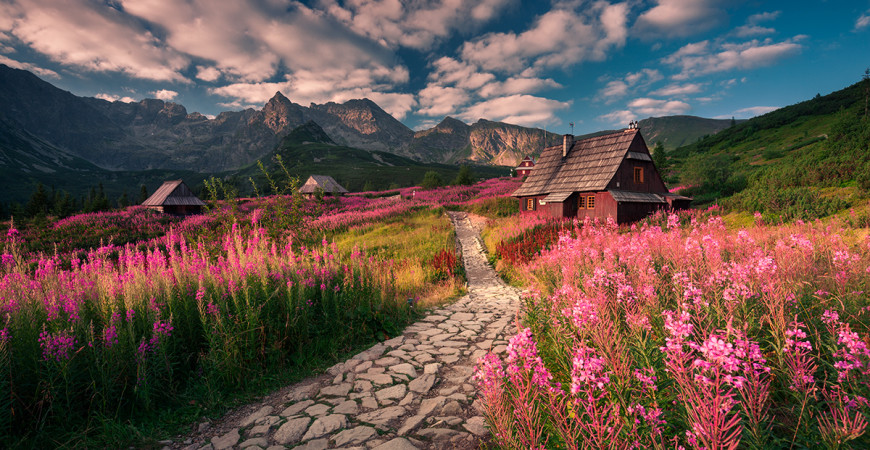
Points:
x=590, y=202
x=530, y=204
x=581, y=202
x=638, y=175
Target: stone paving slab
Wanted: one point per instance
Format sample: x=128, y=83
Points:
x=411, y=392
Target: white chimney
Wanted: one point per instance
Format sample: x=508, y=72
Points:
x=567, y=142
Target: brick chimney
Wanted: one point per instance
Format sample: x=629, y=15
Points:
x=567, y=143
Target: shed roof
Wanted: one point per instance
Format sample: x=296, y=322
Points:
x=173, y=193
x=325, y=182
x=636, y=197
x=557, y=197
x=589, y=165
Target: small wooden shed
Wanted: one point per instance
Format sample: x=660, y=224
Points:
x=325, y=183
x=612, y=175
x=174, y=197
x=525, y=167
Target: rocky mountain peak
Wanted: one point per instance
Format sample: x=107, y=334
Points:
x=280, y=114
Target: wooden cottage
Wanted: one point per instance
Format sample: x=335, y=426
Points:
x=325, y=183
x=525, y=167
x=604, y=176
x=174, y=197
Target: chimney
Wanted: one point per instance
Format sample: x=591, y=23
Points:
x=567, y=142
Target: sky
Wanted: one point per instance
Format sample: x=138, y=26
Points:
x=596, y=64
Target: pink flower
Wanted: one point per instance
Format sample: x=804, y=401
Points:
x=57, y=346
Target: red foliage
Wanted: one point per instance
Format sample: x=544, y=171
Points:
x=523, y=248
x=445, y=263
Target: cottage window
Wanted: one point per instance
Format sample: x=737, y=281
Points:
x=582, y=202
x=638, y=174
x=530, y=204
x=590, y=202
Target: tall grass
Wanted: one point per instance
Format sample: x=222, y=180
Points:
x=683, y=332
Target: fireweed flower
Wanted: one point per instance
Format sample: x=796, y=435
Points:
x=56, y=346
x=587, y=371
x=523, y=358
x=110, y=336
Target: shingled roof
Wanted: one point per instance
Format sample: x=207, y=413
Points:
x=173, y=193
x=589, y=166
x=325, y=182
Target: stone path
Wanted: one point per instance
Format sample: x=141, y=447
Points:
x=411, y=392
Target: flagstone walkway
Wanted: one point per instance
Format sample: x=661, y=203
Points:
x=411, y=392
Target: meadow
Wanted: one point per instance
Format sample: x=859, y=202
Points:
x=117, y=328
x=683, y=331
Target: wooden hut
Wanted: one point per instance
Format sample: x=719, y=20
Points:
x=324, y=183
x=525, y=167
x=174, y=197
x=612, y=175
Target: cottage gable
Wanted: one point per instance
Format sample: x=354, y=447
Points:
x=324, y=182
x=612, y=175
x=174, y=197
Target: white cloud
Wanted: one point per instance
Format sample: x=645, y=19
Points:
x=752, y=111
x=418, y=24
x=524, y=110
x=702, y=58
x=559, y=38
x=656, y=108
x=28, y=66
x=518, y=85
x=164, y=94
x=92, y=36
x=678, y=89
x=441, y=100
x=678, y=18
x=209, y=74
x=618, y=118
x=752, y=27
x=617, y=89
x=863, y=21
x=114, y=98
x=449, y=71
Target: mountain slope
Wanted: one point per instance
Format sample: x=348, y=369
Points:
x=677, y=131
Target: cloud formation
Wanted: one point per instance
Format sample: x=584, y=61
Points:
x=524, y=110
x=863, y=21
x=164, y=94
x=28, y=66
x=678, y=18
x=418, y=25
x=705, y=57
x=114, y=98
x=562, y=37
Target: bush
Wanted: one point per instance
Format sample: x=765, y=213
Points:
x=431, y=180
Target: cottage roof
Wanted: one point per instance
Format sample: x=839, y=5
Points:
x=636, y=197
x=173, y=193
x=589, y=165
x=325, y=182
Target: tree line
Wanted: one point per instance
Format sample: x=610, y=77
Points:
x=58, y=203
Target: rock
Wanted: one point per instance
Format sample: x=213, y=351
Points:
x=376, y=378
x=203, y=427
x=346, y=407
x=317, y=410
x=325, y=425
x=302, y=392
x=336, y=369
x=226, y=441
x=404, y=369
x=388, y=361
x=397, y=444
x=362, y=386
x=362, y=366
x=453, y=408
x=409, y=397
x=391, y=393
x=356, y=435
x=291, y=431
x=462, y=316
x=296, y=408
x=423, y=384
x=438, y=434
x=260, y=442
x=340, y=390
x=431, y=404
x=431, y=369
x=369, y=403
x=476, y=425
x=259, y=430
x=411, y=423
x=449, y=359
x=314, y=444
x=424, y=358
x=382, y=416
x=394, y=342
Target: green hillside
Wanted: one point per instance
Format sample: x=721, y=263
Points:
x=804, y=161
x=308, y=151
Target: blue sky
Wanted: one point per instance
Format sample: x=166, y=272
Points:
x=598, y=64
